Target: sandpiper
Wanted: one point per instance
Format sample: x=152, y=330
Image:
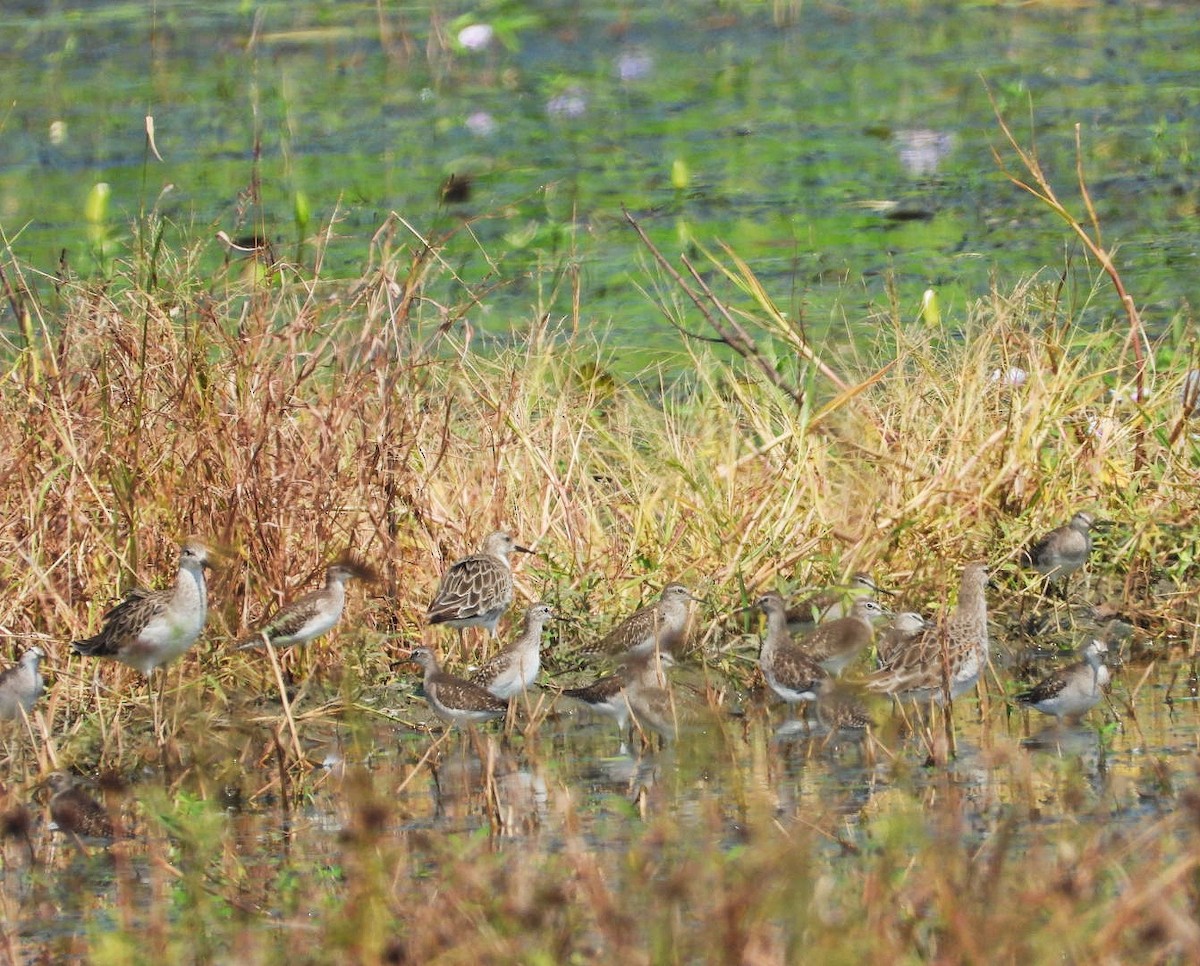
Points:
x=150, y=628
x=1071, y=691
x=607, y=695
x=652, y=708
x=1062, y=551
x=833, y=603
x=454, y=700
x=659, y=626
x=74, y=811
x=789, y=670
x=901, y=630
x=313, y=614
x=477, y=590
x=945, y=660
x=835, y=643
x=514, y=669
x=21, y=685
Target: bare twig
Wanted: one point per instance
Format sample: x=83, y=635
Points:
x=730, y=331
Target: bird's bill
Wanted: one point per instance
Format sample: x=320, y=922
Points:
x=215, y=551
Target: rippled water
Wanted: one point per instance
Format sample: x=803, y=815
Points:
x=833, y=146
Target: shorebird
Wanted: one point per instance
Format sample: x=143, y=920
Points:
x=514, y=669
x=658, y=626
x=833, y=603
x=789, y=670
x=74, y=811
x=1062, y=551
x=454, y=700
x=900, y=631
x=835, y=643
x=1189, y=394
x=150, y=628
x=313, y=614
x=947, y=660
x=652, y=708
x=21, y=685
x=609, y=695
x=1071, y=691
x=477, y=590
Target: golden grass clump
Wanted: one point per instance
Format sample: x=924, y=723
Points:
x=293, y=426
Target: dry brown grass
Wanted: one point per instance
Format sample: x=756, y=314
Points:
x=292, y=425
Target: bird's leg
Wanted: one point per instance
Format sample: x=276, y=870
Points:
x=287, y=707
x=156, y=703
x=302, y=669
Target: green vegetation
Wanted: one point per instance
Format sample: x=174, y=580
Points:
x=849, y=155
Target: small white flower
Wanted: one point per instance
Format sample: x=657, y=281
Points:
x=634, y=65
x=570, y=103
x=922, y=151
x=476, y=36
x=481, y=124
x=1131, y=395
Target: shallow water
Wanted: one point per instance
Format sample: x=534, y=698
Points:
x=570, y=779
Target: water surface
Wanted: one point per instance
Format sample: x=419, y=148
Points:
x=839, y=149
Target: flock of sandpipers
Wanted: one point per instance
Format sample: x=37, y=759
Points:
x=805, y=650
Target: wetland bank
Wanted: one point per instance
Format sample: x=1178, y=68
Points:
x=291, y=414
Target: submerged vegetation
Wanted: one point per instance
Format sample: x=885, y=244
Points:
x=292, y=421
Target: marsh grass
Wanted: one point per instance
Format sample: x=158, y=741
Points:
x=293, y=420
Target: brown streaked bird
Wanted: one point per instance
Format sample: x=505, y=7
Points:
x=833, y=603
x=1059, y=553
x=453, y=699
x=74, y=811
x=900, y=631
x=513, y=670
x=652, y=708
x=608, y=695
x=1071, y=691
x=945, y=660
x=659, y=626
x=150, y=628
x=835, y=643
x=313, y=614
x=21, y=685
x=789, y=670
x=839, y=709
x=477, y=590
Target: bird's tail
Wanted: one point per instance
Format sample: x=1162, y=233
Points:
x=89, y=646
